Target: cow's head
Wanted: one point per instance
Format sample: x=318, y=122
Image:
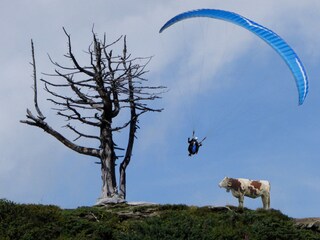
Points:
x=225, y=183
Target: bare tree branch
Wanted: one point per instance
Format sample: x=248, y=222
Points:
x=41, y=116
x=81, y=69
x=81, y=134
x=34, y=121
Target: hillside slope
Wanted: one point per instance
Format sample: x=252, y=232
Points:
x=123, y=221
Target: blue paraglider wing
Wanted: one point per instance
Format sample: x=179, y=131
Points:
x=286, y=52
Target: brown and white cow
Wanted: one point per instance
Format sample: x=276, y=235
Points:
x=241, y=187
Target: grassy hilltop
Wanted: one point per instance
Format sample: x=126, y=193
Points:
x=123, y=221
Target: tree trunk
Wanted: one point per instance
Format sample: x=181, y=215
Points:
x=126, y=161
x=109, y=192
x=132, y=131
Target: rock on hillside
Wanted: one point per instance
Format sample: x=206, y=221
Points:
x=308, y=223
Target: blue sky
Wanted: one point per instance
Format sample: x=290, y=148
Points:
x=224, y=82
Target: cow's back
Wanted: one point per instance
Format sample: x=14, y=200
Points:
x=255, y=188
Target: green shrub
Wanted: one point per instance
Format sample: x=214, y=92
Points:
x=29, y=222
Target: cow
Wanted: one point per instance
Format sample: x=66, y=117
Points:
x=241, y=187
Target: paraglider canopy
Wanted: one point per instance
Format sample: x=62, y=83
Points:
x=276, y=42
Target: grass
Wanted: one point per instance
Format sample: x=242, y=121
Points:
x=122, y=221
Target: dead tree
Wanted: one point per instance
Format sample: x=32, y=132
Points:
x=97, y=92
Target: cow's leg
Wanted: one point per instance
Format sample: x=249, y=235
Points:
x=266, y=201
x=241, y=199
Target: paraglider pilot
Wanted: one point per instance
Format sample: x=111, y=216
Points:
x=194, y=145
